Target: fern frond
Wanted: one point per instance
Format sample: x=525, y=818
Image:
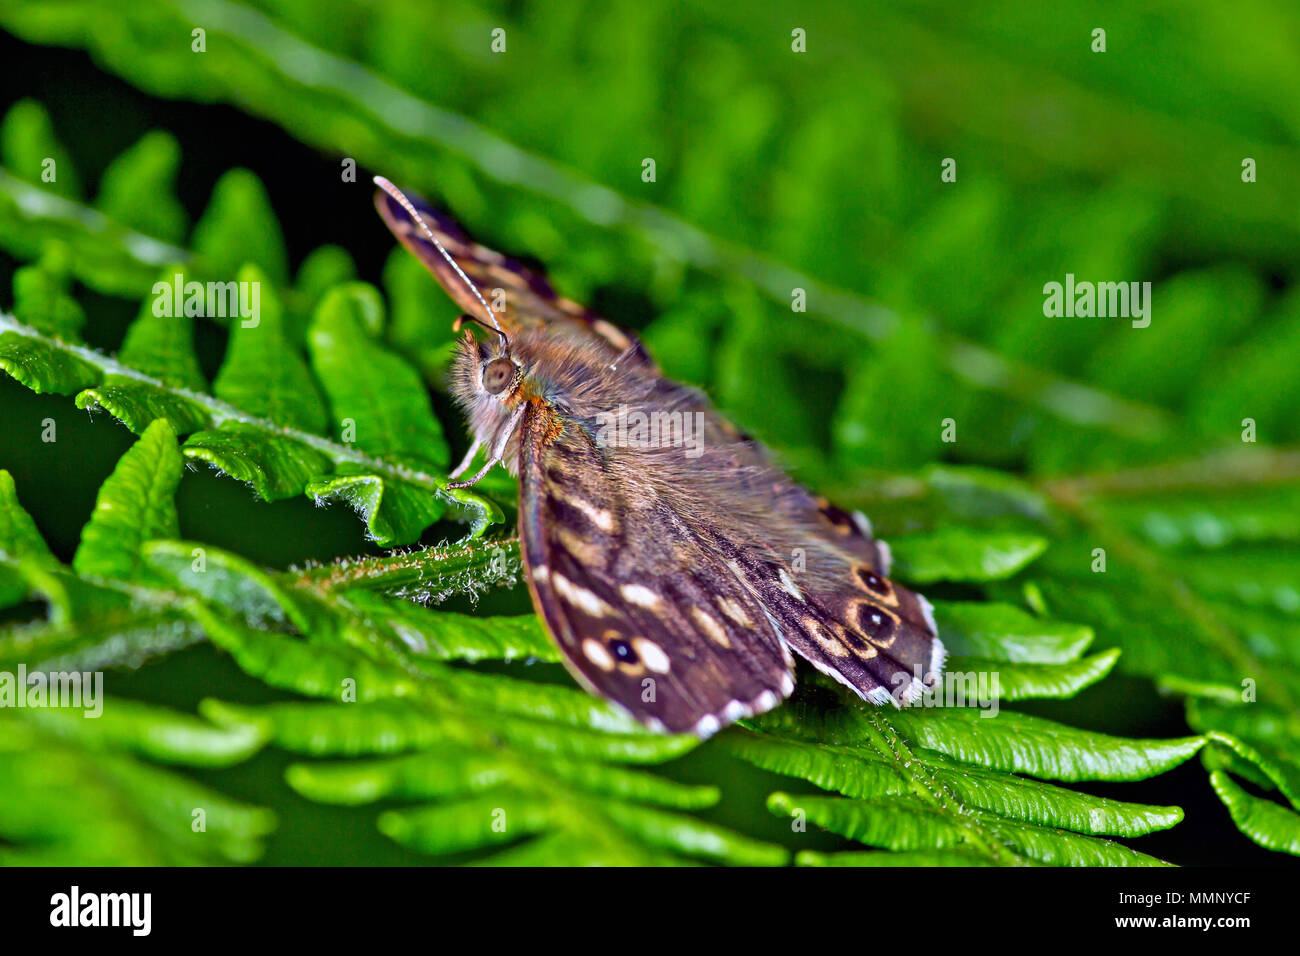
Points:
x=77, y=792
x=505, y=758
x=956, y=778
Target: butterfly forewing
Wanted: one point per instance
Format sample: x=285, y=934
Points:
x=657, y=623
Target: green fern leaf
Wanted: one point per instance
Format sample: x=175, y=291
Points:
x=394, y=493
x=77, y=792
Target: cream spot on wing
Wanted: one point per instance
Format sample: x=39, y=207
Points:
x=580, y=596
x=710, y=626
x=652, y=655
x=540, y=573
x=886, y=556
x=734, y=611
x=601, y=518
x=597, y=654
x=640, y=595
x=927, y=611
x=581, y=548
x=734, y=711
x=790, y=587
x=707, y=725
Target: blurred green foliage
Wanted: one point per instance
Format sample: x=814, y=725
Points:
x=779, y=171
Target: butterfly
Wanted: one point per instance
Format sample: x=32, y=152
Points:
x=678, y=569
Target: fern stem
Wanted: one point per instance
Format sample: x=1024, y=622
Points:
x=887, y=741
x=1256, y=466
x=426, y=567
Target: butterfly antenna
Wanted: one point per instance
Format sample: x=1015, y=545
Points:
x=406, y=204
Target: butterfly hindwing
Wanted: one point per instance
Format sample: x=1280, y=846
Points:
x=653, y=621
x=873, y=635
x=823, y=577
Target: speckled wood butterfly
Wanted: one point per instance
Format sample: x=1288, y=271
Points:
x=674, y=564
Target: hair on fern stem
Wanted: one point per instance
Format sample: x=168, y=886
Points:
x=411, y=211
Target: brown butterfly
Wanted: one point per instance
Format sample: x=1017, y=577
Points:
x=674, y=564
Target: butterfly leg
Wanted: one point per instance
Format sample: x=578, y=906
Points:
x=468, y=482
x=465, y=462
x=497, y=453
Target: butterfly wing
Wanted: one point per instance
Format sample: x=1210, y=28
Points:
x=521, y=298
x=734, y=540
x=839, y=610
x=817, y=571
x=644, y=611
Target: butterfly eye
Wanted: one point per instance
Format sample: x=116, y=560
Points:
x=497, y=374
